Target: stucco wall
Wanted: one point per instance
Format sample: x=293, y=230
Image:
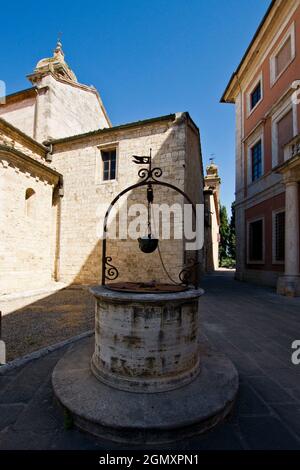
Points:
x=271, y=93
x=261, y=196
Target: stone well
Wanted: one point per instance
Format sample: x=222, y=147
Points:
x=146, y=342
x=148, y=376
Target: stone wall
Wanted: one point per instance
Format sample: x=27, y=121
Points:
x=25, y=227
x=28, y=213
x=67, y=109
x=60, y=238
x=80, y=163
x=56, y=109
x=193, y=178
x=20, y=114
x=211, y=232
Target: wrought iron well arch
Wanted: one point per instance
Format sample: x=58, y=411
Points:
x=148, y=175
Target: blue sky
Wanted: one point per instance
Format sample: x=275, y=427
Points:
x=146, y=57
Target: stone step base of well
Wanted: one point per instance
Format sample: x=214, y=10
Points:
x=146, y=418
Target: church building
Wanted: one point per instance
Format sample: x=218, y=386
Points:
x=61, y=160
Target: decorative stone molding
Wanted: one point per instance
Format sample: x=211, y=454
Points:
x=4, y=163
x=20, y=162
x=291, y=176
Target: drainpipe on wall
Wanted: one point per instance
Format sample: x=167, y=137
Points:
x=60, y=192
x=35, y=117
x=49, y=155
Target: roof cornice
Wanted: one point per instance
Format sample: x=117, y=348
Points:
x=24, y=95
x=55, y=175
x=21, y=95
x=274, y=11
x=108, y=130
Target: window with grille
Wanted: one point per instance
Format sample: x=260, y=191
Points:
x=109, y=158
x=256, y=160
x=255, y=96
x=256, y=241
x=279, y=236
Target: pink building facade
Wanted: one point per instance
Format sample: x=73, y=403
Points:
x=265, y=89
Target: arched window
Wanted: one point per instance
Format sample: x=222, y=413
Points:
x=29, y=202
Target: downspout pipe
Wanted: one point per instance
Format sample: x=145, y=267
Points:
x=60, y=191
x=49, y=154
x=35, y=118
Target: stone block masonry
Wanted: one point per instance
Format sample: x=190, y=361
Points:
x=28, y=212
x=80, y=161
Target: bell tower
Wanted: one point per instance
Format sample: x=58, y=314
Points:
x=212, y=180
x=64, y=107
x=57, y=105
x=56, y=65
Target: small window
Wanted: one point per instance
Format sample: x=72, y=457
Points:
x=279, y=236
x=256, y=160
x=255, y=96
x=256, y=241
x=29, y=202
x=283, y=57
x=109, y=164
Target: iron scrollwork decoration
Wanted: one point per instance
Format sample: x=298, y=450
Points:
x=147, y=174
x=187, y=274
x=111, y=272
x=149, y=177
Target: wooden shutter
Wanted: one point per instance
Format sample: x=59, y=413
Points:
x=283, y=57
x=285, y=134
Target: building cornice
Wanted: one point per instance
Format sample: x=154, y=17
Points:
x=20, y=95
x=290, y=164
x=23, y=95
x=272, y=190
x=275, y=12
x=30, y=163
x=121, y=127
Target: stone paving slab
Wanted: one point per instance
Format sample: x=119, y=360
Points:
x=252, y=325
x=31, y=323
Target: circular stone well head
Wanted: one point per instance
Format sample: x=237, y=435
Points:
x=146, y=342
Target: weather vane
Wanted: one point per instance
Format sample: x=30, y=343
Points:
x=212, y=158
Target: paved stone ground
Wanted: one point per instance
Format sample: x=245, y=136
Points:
x=252, y=325
x=31, y=323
